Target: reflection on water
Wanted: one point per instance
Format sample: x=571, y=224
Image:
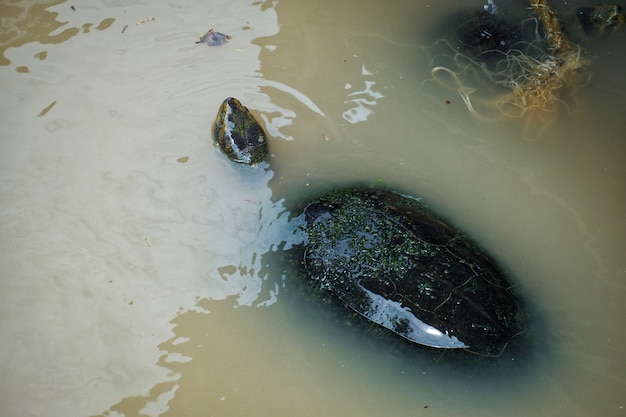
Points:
x=361, y=102
x=139, y=265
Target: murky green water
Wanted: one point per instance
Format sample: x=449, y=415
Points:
x=138, y=266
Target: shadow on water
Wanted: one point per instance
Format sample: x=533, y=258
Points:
x=223, y=362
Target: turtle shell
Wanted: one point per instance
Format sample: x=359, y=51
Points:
x=395, y=263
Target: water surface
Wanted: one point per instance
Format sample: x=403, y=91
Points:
x=138, y=273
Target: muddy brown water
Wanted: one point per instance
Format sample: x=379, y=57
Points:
x=138, y=269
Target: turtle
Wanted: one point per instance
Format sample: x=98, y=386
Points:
x=483, y=32
x=389, y=259
x=212, y=38
x=599, y=20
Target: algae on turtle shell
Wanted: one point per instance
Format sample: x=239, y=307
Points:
x=387, y=257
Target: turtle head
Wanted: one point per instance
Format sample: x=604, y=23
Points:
x=238, y=134
x=602, y=19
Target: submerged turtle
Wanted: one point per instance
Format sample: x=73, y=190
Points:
x=493, y=29
x=397, y=264
x=386, y=257
x=534, y=60
x=599, y=20
x=212, y=38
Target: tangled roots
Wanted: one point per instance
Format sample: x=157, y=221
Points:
x=527, y=84
x=531, y=76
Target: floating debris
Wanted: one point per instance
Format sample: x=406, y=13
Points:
x=47, y=109
x=212, y=38
x=142, y=21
